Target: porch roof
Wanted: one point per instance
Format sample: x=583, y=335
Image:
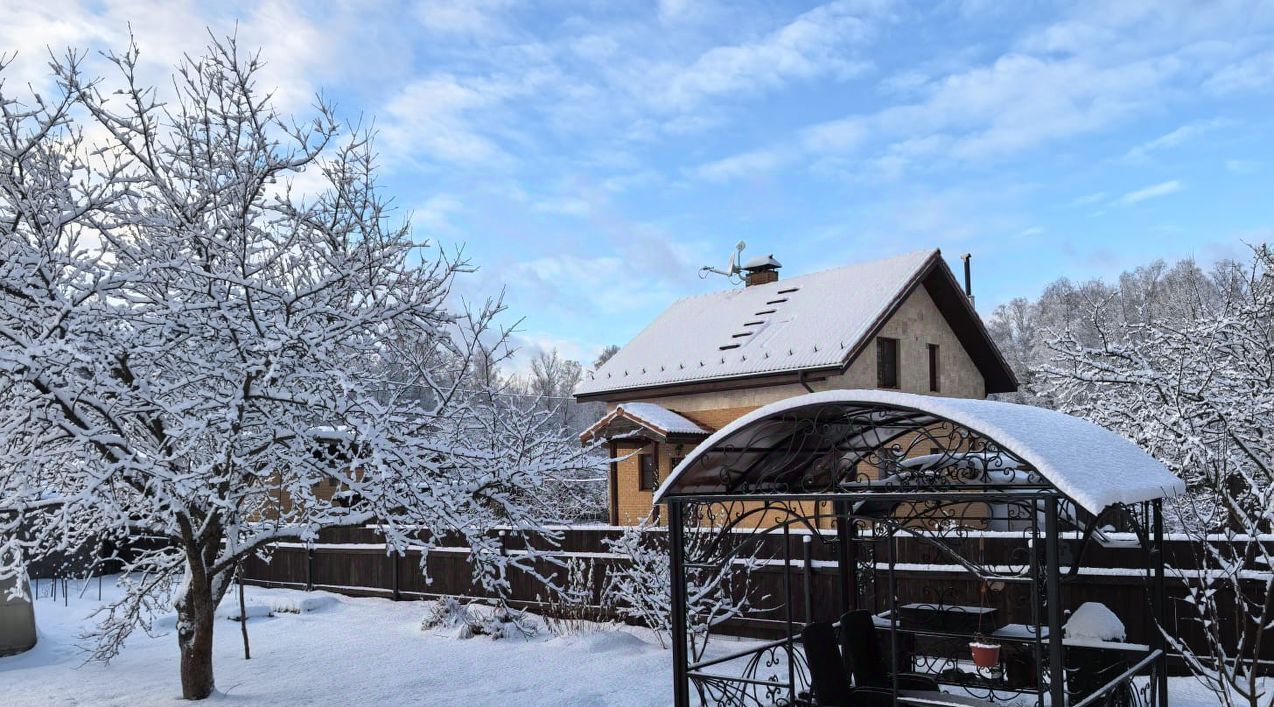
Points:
x=659, y=422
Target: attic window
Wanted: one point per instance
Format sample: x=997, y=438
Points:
x=886, y=362
x=723, y=347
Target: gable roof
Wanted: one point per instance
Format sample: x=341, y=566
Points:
x=818, y=321
x=656, y=419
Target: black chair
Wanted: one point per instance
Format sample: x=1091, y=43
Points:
x=828, y=678
x=865, y=661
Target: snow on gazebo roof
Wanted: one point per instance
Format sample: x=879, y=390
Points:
x=1090, y=464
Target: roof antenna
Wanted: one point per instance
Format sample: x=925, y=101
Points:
x=732, y=269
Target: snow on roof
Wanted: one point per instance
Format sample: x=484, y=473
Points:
x=1090, y=464
x=661, y=418
x=805, y=322
x=656, y=417
x=762, y=261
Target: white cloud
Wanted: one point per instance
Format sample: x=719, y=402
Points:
x=1016, y=103
x=1153, y=191
x=1237, y=166
x=1248, y=74
x=741, y=166
x=1173, y=139
x=820, y=42
x=434, y=215
x=1094, y=70
x=437, y=117
x=463, y=17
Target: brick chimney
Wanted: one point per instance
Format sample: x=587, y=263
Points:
x=761, y=270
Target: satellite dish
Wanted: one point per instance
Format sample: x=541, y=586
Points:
x=732, y=269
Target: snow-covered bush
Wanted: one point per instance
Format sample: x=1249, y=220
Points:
x=640, y=588
x=572, y=605
x=451, y=617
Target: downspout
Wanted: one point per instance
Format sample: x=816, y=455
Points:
x=800, y=378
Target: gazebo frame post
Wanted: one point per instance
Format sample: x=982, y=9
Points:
x=1160, y=603
x=846, y=557
x=680, y=659
x=1053, y=589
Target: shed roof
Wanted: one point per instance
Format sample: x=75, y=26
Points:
x=1091, y=465
x=815, y=321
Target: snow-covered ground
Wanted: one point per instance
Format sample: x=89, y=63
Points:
x=345, y=651
x=322, y=649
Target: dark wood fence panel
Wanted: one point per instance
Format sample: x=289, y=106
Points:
x=354, y=561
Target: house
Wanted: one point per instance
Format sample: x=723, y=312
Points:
x=901, y=323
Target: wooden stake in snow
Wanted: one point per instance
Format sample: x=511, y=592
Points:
x=243, y=612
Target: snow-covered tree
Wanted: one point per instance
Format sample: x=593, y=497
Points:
x=1183, y=363
x=608, y=351
x=198, y=360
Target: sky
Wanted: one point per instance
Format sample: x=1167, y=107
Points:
x=592, y=156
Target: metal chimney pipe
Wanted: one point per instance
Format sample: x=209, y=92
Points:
x=968, y=276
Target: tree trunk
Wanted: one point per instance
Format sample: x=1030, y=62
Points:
x=195, y=614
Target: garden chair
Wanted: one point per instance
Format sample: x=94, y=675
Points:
x=828, y=678
x=864, y=660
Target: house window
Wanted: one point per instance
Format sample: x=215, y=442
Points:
x=649, y=474
x=886, y=362
x=933, y=368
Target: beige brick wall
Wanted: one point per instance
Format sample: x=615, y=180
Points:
x=634, y=502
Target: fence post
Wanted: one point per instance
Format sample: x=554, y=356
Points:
x=309, y=567
x=397, y=560
x=806, y=550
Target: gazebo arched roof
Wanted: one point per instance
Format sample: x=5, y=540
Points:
x=1091, y=465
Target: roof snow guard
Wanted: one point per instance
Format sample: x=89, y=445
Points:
x=817, y=322
x=654, y=420
x=795, y=445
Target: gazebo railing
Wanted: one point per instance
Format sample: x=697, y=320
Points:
x=787, y=678
x=1126, y=689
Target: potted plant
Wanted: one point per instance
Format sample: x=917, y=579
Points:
x=986, y=652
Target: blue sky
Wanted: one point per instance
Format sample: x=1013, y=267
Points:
x=593, y=156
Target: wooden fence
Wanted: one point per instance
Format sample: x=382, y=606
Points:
x=354, y=561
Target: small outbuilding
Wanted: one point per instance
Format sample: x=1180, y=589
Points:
x=17, y=619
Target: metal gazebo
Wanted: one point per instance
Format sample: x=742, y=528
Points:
x=878, y=482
